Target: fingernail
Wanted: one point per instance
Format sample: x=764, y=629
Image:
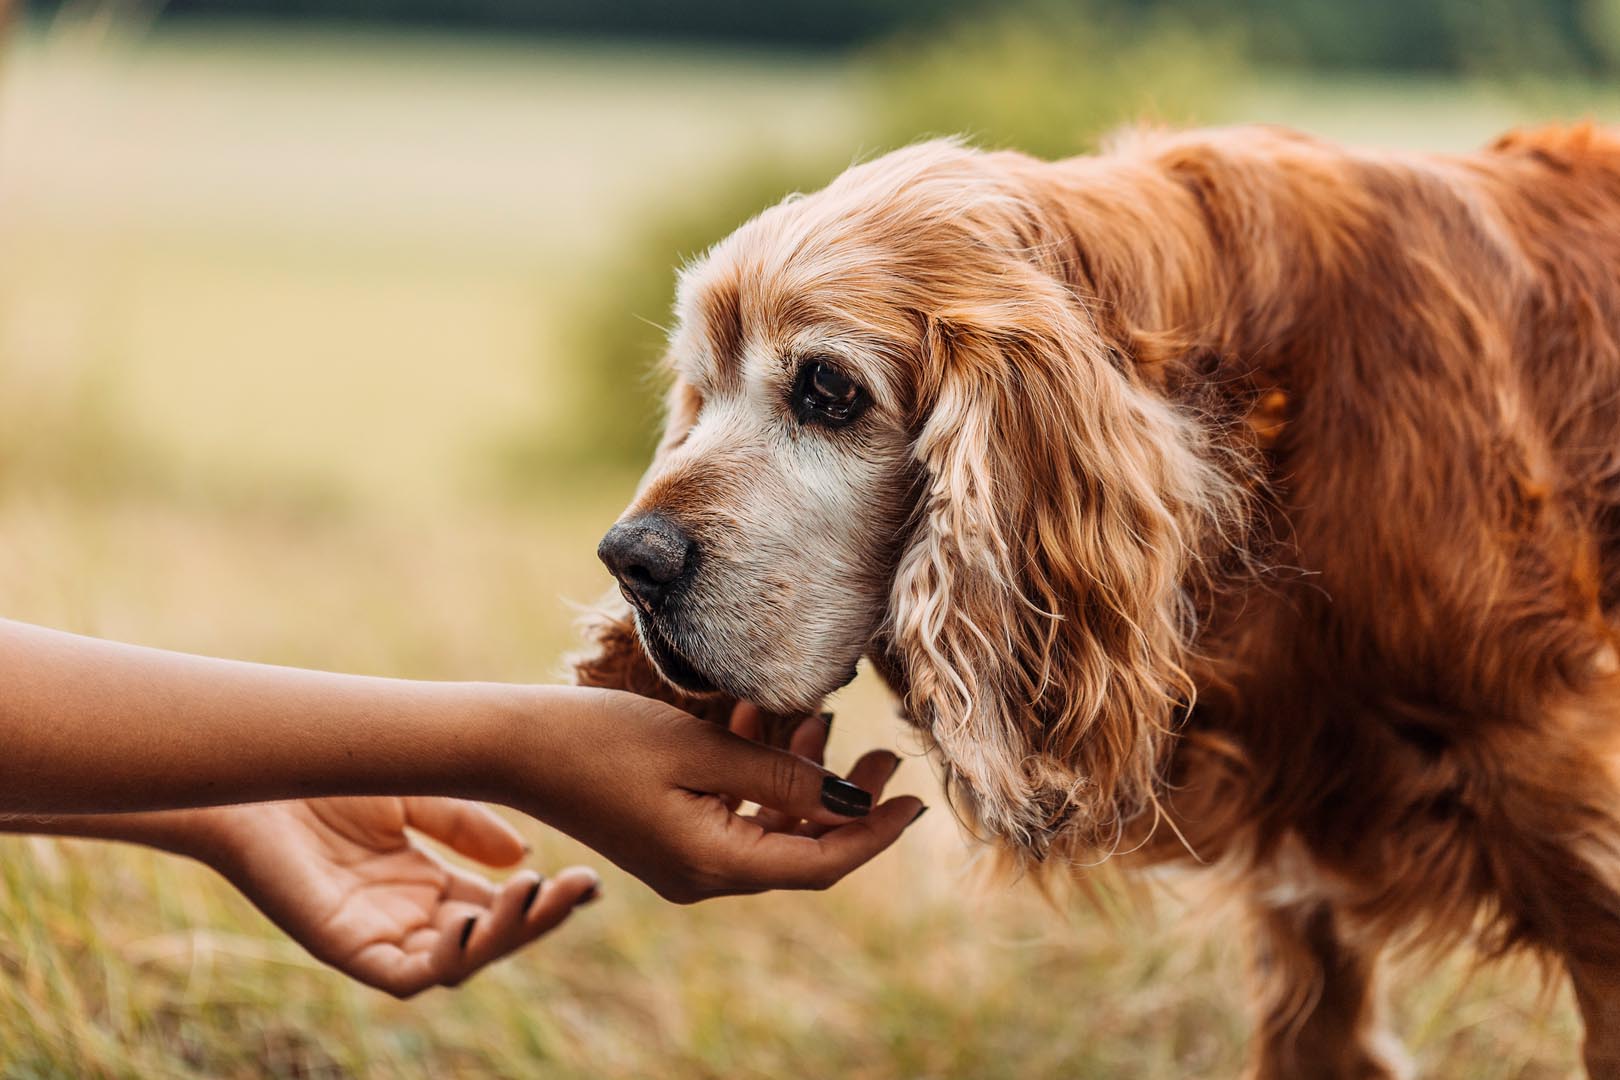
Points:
x=590, y=895
x=534, y=893
x=827, y=718
x=921, y=810
x=893, y=768
x=466, y=930
x=843, y=797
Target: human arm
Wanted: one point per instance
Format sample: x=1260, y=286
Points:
x=92, y=726
x=348, y=880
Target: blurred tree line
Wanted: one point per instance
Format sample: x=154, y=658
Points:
x=1047, y=77
x=1405, y=35
x=1044, y=76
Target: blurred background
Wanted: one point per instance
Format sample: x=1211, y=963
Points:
x=326, y=330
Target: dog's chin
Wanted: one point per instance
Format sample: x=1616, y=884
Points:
x=675, y=668
x=672, y=666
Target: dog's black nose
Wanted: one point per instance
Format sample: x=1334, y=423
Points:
x=648, y=554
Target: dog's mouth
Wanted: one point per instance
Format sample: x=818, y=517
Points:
x=672, y=665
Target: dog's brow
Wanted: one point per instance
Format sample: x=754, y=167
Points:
x=719, y=310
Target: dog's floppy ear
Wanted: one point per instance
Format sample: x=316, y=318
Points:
x=1039, y=617
x=613, y=656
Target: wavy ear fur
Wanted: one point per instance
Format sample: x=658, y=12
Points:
x=1040, y=614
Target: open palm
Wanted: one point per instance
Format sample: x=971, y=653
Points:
x=347, y=880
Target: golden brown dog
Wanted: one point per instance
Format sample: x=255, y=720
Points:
x=1229, y=493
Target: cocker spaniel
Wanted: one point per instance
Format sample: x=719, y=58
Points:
x=1228, y=496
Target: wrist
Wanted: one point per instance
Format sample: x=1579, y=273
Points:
x=210, y=834
x=536, y=741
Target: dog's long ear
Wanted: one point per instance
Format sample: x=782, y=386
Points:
x=613, y=656
x=1039, y=614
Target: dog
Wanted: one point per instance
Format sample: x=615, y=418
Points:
x=1227, y=497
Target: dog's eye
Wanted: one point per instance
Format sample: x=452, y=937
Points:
x=824, y=394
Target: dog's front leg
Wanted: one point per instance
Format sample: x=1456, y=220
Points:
x=1316, y=988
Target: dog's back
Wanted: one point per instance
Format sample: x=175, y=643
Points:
x=1416, y=703
x=1406, y=367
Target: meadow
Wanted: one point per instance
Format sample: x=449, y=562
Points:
x=273, y=310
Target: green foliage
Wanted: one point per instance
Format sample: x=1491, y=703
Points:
x=1601, y=21
x=1429, y=35
x=1459, y=36
x=619, y=337
x=1048, y=80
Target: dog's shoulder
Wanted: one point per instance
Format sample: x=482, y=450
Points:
x=1236, y=144
x=1562, y=147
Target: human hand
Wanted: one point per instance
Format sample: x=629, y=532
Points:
x=346, y=880
x=655, y=790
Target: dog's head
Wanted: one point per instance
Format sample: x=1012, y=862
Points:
x=896, y=431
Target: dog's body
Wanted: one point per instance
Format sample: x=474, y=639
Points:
x=1228, y=493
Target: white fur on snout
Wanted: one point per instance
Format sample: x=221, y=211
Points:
x=792, y=527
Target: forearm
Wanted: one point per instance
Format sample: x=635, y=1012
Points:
x=184, y=832
x=90, y=726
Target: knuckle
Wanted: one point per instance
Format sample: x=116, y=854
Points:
x=787, y=780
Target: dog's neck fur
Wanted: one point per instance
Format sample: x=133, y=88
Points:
x=1236, y=249
x=1217, y=303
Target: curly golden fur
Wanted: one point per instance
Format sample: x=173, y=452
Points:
x=1227, y=493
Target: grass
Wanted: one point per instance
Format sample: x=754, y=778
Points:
x=248, y=399
x=120, y=963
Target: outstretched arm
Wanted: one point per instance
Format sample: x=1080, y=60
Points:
x=92, y=726
x=95, y=726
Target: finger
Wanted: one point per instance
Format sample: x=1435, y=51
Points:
x=527, y=907
x=499, y=928
x=423, y=960
x=809, y=739
x=456, y=923
x=393, y=970
x=467, y=828
x=559, y=898
x=871, y=773
x=467, y=887
x=790, y=861
x=575, y=887
x=747, y=721
x=720, y=763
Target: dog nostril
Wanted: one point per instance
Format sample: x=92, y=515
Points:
x=638, y=575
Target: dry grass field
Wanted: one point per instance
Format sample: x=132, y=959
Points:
x=268, y=309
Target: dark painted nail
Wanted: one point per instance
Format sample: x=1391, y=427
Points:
x=827, y=719
x=893, y=768
x=920, y=812
x=467, y=929
x=534, y=894
x=588, y=896
x=843, y=797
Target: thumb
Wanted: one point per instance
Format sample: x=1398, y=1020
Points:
x=724, y=764
x=466, y=828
